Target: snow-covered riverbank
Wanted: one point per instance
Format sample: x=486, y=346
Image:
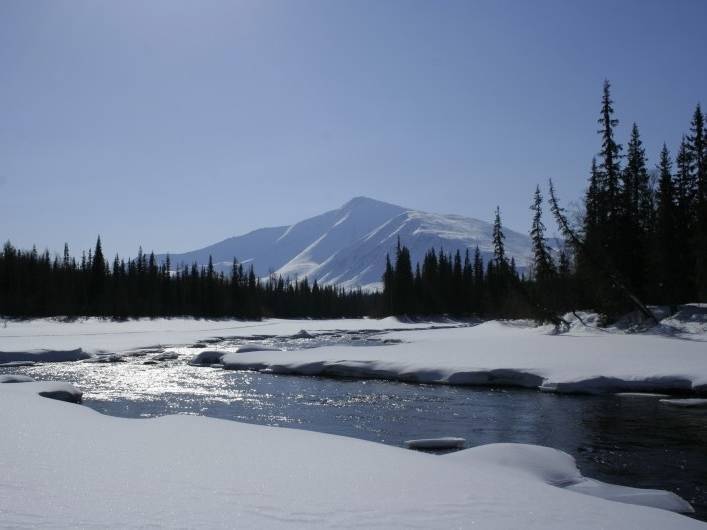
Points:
x=66, y=466
x=671, y=358
x=50, y=339
x=497, y=353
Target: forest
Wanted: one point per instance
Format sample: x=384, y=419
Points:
x=639, y=238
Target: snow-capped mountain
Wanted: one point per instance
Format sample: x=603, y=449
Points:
x=348, y=246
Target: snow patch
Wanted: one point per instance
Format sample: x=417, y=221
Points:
x=15, y=378
x=187, y=471
x=446, y=442
x=208, y=357
x=688, y=403
x=58, y=390
x=559, y=469
x=42, y=355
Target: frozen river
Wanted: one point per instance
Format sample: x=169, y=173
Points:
x=630, y=440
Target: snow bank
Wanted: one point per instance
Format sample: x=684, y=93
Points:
x=447, y=442
x=246, y=348
x=49, y=389
x=208, y=357
x=67, y=466
x=12, y=364
x=559, y=469
x=690, y=320
x=212, y=357
x=507, y=354
x=688, y=403
x=42, y=355
x=166, y=356
x=15, y=378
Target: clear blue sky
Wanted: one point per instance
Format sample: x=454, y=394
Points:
x=174, y=124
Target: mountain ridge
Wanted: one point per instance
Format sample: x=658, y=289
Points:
x=348, y=245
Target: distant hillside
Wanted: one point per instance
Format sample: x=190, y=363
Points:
x=348, y=245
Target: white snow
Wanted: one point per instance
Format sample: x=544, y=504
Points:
x=17, y=363
x=494, y=353
x=80, y=339
x=208, y=357
x=15, y=378
x=58, y=390
x=559, y=469
x=246, y=348
x=66, y=466
x=688, y=403
x=445, y=442
x=41, y=355
x=498, y=353
x=641, y=395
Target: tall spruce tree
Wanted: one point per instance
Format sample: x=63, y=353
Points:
x=479, y=283
x=665, y=252
x=685, y=221
x=499, y=251
x=404, y=301
x=592, y=201
x=636, y=224
x=609, y=170
x=543, y=266
x=388, y=279
x=697, y=151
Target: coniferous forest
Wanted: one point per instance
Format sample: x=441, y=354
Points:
x=33, y=284
x=640, y=238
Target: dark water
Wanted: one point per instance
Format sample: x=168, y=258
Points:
x=634, y=441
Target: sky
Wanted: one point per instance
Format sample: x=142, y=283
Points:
x=174, y=124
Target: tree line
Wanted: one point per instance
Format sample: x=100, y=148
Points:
x=640, y=238
x=447, y=283
x=33, y=284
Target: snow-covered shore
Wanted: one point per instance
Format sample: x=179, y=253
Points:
x=496, y=354
x=672, y=358
x=48, y=339
x=66, y=466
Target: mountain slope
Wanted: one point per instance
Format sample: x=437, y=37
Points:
x=348, y=245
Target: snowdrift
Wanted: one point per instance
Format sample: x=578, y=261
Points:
x=507, y=354
x=66, y=466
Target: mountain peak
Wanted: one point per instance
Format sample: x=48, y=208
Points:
x=363, y=202
x=348, y=245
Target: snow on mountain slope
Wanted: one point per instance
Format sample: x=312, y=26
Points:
x=348, y=246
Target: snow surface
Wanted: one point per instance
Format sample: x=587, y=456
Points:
x=688, y=403
x=58, y=390
x=585, y=360
x=497, y=354
x=15, y=378
x=41, y=355
x=446, y=442
x=79, y=339
x=66, y=466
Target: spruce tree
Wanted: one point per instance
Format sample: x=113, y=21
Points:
x=635, y=229
x=499, y=252
x=98, y=270
x=665, y=251
x=543, y=266
x=697, y=150
x=404, y=283
x=388, y=287
x=479, y=283
x=592, y=201
x=685, y=222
